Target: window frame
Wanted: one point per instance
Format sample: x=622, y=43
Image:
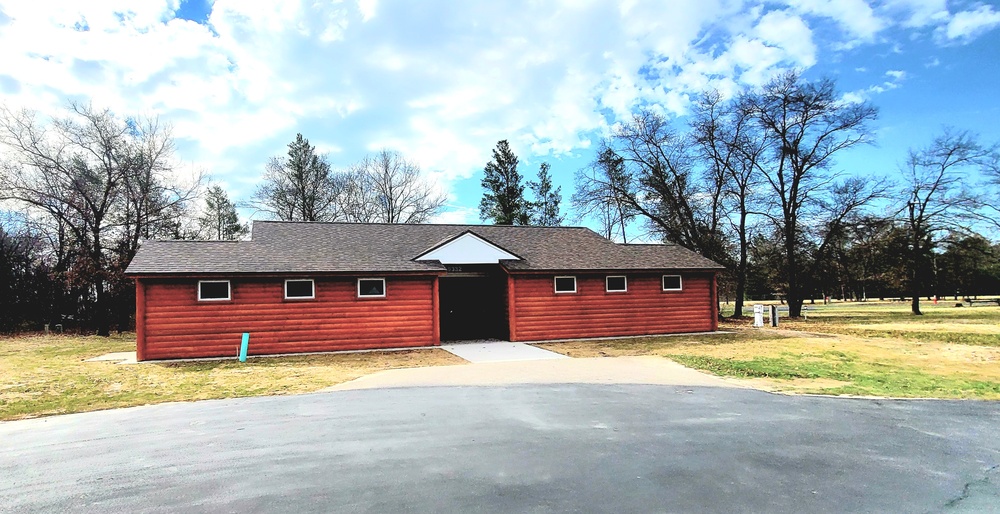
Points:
x=680, y=283
x=313, y=288
x=555, y=284
x=229, y=291
x=607, y=289
x=368, y=296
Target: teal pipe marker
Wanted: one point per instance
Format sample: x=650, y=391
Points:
x=244, y=346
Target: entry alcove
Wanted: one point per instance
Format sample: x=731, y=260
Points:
x=473, y=302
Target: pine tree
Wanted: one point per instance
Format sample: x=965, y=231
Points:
x=301, y=187
x=545, y=209
x=503, y=200
x=219, y=220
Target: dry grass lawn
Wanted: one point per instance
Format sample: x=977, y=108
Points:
x=870, y=349
x=44, y=375
x=857, y=349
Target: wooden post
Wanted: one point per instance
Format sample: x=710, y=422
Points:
x=436, y=309
x=140, y=320
x=715, y=302
x=511, y=315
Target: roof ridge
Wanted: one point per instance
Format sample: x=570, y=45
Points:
x=197, y=241
x=419, y=224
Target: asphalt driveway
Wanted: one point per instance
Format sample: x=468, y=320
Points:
x=526, y=448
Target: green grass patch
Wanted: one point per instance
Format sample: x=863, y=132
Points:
x=862, y=378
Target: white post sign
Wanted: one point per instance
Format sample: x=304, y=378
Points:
x=758, y=315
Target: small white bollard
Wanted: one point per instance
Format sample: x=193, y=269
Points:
x=758, y=316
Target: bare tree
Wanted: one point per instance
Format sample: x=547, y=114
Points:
x=104, y=182
x=937, y=199
x=665, y=188
x=299, y=187
x=387, y=188
x=602, y=192
x=806, y=124
x=733, y=148
x=843, y=208
x=990, y=208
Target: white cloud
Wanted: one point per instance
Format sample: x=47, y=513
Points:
x=856, y=16
x=440, y=82
x=789, y=33
x=894, y=80
x=896, y=75
x=458, y=215
x=918, y=13
x=967, y=25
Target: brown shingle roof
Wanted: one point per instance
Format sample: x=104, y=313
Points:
x=287, y=247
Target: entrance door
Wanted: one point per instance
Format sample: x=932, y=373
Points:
x=473, y=308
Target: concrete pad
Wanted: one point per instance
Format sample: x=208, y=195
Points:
x=595, y=370
x=499, y=351
x=117, y=357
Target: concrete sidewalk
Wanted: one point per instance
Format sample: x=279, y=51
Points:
x=596, y=370
x=499, y=351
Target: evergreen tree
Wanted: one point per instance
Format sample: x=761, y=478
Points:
x=219, y=220
x=300, y=187
x=503, y=200
x=544, y=211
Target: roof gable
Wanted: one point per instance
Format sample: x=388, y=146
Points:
x=467, y=248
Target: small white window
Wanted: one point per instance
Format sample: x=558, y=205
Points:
x=616, y=284
x=300, y=289
x=565, y=284
x=672, y=283
x=371, y=287
x=213, y=290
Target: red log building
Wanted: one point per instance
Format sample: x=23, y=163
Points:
x=311, y=287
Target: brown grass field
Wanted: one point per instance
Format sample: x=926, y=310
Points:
x=869, y=349
x=45, y=375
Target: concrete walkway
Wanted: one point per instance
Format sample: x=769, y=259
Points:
x=116, y=357
x=596, y=370
x=499, y=351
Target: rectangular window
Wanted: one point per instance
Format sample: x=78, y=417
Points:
x=616, y=284
x=565, y=284
x=303, y=289
x=213, y=290
x=371, y=287
x=672, y=283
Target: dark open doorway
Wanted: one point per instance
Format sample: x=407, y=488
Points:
x=473, y=304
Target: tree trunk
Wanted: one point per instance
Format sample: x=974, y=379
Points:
x=101, y=308
x=794, y=296
x=741, y=270
x=741, y=286
x=915, y=271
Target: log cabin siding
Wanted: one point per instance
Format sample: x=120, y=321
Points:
x=177, y=325
x=542, y=314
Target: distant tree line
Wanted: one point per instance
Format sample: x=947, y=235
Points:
x=81, y=193
x=383, y=187
x=749, y=181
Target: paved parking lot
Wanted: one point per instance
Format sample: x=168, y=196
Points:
x=526, y=448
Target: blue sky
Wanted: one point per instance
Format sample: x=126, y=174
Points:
x=442, y=82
